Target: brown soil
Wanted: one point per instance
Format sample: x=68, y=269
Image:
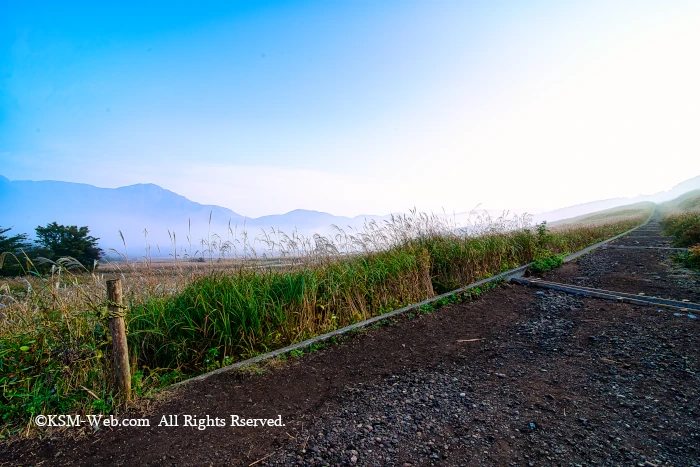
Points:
x=553, y=379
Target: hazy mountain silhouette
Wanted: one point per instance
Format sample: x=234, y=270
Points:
x=135, y=208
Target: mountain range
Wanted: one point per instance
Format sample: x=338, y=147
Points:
x=130, y=211
x=149, y=214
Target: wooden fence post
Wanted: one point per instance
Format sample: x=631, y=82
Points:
x=117, y=329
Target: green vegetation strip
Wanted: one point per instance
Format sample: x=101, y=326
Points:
x=377, y=319
x=55, y=348
x=300, y=346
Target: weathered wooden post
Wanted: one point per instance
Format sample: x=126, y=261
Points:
x=117, y=328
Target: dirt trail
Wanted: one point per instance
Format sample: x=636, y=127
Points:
x=518, y=377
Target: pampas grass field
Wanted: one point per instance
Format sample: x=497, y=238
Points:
x=185, y=317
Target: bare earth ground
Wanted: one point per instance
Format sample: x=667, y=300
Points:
x=553, y=379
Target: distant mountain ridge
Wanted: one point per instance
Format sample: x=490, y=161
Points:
x=135, y=209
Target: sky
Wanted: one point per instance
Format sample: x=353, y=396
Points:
x=355, y=107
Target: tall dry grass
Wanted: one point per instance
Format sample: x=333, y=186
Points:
x=186, y=318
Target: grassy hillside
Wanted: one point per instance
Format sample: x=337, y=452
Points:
x=608, y=214
x=182, y=321
x=689, y=201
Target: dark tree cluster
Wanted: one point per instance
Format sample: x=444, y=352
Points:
x=53, y=241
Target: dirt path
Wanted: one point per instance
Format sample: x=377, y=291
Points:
x=517, y=377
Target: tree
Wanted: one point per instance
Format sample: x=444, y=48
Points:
x=59, y=241
x=14, y=243
x=11, y=248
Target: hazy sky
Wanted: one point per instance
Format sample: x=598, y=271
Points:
x=357, y=106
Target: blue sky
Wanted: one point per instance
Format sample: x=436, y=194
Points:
x=354, y=107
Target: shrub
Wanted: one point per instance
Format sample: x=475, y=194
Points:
x=684, y=228
x=547, y=262
x=691, y=258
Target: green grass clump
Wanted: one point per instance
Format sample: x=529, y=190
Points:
x=47, y=366
x=683, y=227
x=690, y=258
x=251, y=312
x=681, y=220
x=693, y=257
x=547, y=263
